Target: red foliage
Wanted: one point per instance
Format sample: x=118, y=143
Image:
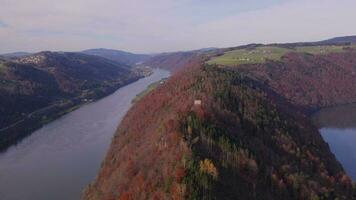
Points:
x=145, y=158
x=125, y=196
x=146, y=154
x=180, y=173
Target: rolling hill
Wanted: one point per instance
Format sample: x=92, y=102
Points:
x=15, y=54
x=344, y=39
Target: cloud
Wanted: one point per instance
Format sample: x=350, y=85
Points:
x=294, y=21
x=167, y=25
x=3, y=24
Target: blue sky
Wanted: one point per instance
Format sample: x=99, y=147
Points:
x=149, y=26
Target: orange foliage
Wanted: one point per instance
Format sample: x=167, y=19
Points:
x=125, y=196
x=207, y=166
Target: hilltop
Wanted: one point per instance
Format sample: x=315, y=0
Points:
x=309, y=76
x=342, y=40
x=15, y=54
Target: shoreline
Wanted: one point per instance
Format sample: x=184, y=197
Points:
x=14, y=133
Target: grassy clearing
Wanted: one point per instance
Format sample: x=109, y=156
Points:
x=261, y=54
x=247, y=56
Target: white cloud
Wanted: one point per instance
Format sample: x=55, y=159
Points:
x=165, y=25
x=295, y=21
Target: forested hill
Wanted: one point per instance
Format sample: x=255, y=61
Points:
x=38, y=88
x=220, y=130
x=311, y=77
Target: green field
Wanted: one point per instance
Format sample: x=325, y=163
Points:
x=2, y=66
x=261, y=54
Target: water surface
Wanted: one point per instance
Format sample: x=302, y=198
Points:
x=60, y=159
x=338, y=128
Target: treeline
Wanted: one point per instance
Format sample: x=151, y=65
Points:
x=257, y=150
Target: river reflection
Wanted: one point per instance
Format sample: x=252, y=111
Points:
x=338, y=128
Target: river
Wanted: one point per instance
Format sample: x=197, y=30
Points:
x=338, y=128
x=57, y=161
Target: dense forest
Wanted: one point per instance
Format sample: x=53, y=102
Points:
x=216, y=132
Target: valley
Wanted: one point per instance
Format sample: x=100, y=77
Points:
x=177, y=100
x=39, y=88
x=251, y=130
x=248, y=118
x=58, y=160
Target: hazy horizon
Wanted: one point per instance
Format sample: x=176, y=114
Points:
x=142, y=26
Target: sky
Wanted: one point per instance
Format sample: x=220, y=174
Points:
x=152, y=26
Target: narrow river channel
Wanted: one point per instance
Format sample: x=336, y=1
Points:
x=57, y=161
x=338, y=128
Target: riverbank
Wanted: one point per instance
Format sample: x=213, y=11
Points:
x=58, y=160
x=15, y=132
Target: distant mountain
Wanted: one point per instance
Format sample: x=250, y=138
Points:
x=38, y=88
x=15, y=54
x=118, y=56
x=342, y=40
x=206, y=49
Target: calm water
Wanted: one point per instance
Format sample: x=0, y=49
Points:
x=338, y=128
x=60, y=159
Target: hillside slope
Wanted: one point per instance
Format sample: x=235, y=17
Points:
x=310, y=81
x=36, y=89
x=244, y=141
